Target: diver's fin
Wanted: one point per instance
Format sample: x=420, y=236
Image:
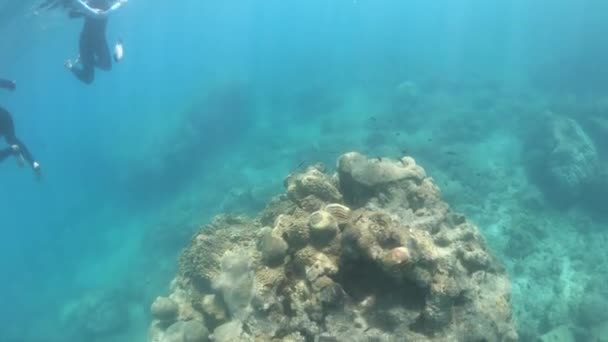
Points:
x=118, y=51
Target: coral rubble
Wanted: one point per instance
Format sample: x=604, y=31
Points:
x=371, y=253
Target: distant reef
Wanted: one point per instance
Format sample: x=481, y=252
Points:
x=369, y=253
x=566, y=160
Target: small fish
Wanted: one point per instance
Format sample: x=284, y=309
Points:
x=379, y=158
x=118, y=51
x=397, y=133
x=373, y=118
x=301, y=164
x=450, y=153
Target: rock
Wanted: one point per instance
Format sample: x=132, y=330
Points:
x=374, y=172
x=323, y=226
x=189, y=331
x=319, y=265
x=360, y=178
x=340, y=212
x=563, y=160
x=236, y=282
x=229, y=332
x=202, y=263
x=184, y=301
x=195, y=331
x=397, y=257
x=294, y=231
x=311, y=183
x=214, y=310
x=273, y=248
x=398, y=265
x=573, y=161
x=330, y=294
x=164, y=309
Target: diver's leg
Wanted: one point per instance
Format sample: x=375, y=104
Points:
x=7, y=127
x=85, y=72
x=23, y=150
x=104, y=58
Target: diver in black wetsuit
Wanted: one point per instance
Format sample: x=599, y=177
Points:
x=94, y=50
x=7, y=130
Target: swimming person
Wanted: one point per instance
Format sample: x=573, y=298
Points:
x=94, y=50
x=7, y=130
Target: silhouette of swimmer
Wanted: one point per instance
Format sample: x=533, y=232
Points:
x=94, y=50
x=7, y=130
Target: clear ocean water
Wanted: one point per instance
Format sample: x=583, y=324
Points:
x=215, y=102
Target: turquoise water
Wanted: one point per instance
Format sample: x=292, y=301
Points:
x=216, y=102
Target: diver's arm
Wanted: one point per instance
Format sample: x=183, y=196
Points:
x=97, y=13
x=116, y=6
x=7, y=84
x=88, y=10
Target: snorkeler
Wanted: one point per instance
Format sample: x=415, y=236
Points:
x=94, y=50
x=7, y=130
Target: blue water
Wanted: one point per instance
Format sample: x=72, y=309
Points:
x=216, y=102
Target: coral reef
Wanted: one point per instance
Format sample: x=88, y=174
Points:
x=165, y=309
x=371, y=253
x=573, y=162
x=563, y=159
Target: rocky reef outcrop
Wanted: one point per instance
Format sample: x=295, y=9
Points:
x=564, y=160
x=370, y=253
x=573, y=162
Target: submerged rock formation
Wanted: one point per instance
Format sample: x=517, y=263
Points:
x=574, y=160
x=564, y=160
x=369, y=254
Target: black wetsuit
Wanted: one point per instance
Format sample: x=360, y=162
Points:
x=94, y=50
x=7, y=130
